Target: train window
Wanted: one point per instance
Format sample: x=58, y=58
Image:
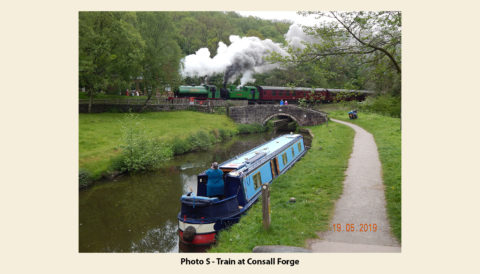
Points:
x=284, y=158
x=293, y=152
x=299, y=146
x=257, y=180
x=274, y=92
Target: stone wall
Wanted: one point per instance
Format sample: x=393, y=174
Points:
x=99, y=108
x=109, y=105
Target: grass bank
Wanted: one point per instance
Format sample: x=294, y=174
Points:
x=100, y=135
x=149, y=138
x=387, y=133
x=316, y=181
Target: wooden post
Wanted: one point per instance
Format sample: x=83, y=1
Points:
x=266, y=206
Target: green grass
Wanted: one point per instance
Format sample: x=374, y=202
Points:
x=316, y=181
x=100, y=135
x=387, y=133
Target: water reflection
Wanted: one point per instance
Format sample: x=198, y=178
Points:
x=139, y=213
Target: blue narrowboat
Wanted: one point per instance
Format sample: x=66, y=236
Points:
x=201, y=217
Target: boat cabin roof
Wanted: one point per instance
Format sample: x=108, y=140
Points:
x=268, y=148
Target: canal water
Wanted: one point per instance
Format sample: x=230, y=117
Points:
x=139, y=213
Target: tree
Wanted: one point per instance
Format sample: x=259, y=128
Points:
x=110, y=50
x=351, y=50
x=372, y=34
x=161, y=60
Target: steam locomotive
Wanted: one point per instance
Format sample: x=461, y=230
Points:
x=271, y=93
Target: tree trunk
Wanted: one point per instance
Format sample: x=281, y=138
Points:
x=90, y=102
x=149, y=93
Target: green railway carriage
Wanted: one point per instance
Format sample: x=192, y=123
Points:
x=244, y=92
x=203, y=91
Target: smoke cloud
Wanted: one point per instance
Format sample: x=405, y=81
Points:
x=297, y=38
x=242, y=58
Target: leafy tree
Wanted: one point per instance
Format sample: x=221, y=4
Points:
x=353, y=50
x=161, y=60
x=110, y=50
x=255, y=33
x=373, y=34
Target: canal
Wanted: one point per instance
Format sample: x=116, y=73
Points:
x=139, y=213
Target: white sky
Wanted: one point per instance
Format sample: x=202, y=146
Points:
x=279, y=15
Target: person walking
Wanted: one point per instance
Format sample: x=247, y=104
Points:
x=281, y=102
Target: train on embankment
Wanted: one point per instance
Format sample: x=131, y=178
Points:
x=270, y=94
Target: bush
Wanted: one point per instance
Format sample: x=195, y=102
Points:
x=201, y=140
x=84, y=178
x=250, y=128
x=224, y=134
x=180, y=146
x=140, y=152
x=386, y=105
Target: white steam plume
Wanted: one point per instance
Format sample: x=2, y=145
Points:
x=242, y=58
x=297, y=38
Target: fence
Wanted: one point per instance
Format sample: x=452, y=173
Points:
x=163, y=101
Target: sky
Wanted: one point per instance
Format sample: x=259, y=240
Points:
x=279, y=15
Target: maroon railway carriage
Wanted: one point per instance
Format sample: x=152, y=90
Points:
x=271, y=93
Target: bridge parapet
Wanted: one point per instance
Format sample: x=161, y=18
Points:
x=260, y=114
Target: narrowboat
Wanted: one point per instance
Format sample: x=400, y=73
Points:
x=201, y=217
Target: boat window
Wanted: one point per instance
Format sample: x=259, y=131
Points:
x=293, y=152
x=299, y=146
x=257, y=179
x=284, y=158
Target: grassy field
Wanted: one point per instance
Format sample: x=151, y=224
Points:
x=316, y=182
x=100, y=134
x=387, y=133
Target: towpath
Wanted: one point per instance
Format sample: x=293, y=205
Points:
x=362, y=202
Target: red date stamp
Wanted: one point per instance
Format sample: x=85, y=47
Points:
x=354, y=227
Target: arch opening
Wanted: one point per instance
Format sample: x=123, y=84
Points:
x=282, y=122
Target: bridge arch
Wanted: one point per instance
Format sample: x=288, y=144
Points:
x=262, y=113
x=280, y=114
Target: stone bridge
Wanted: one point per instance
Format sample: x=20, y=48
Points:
x=260, y=114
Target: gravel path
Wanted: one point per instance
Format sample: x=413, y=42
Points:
x=362, y=202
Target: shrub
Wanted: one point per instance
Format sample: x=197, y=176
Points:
x=180, y=146
x=250, y=128
x=386, y=105
x=201, y=140
x=302, y=102
x=84, y=178
x=224, y=134
x=140, y=152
